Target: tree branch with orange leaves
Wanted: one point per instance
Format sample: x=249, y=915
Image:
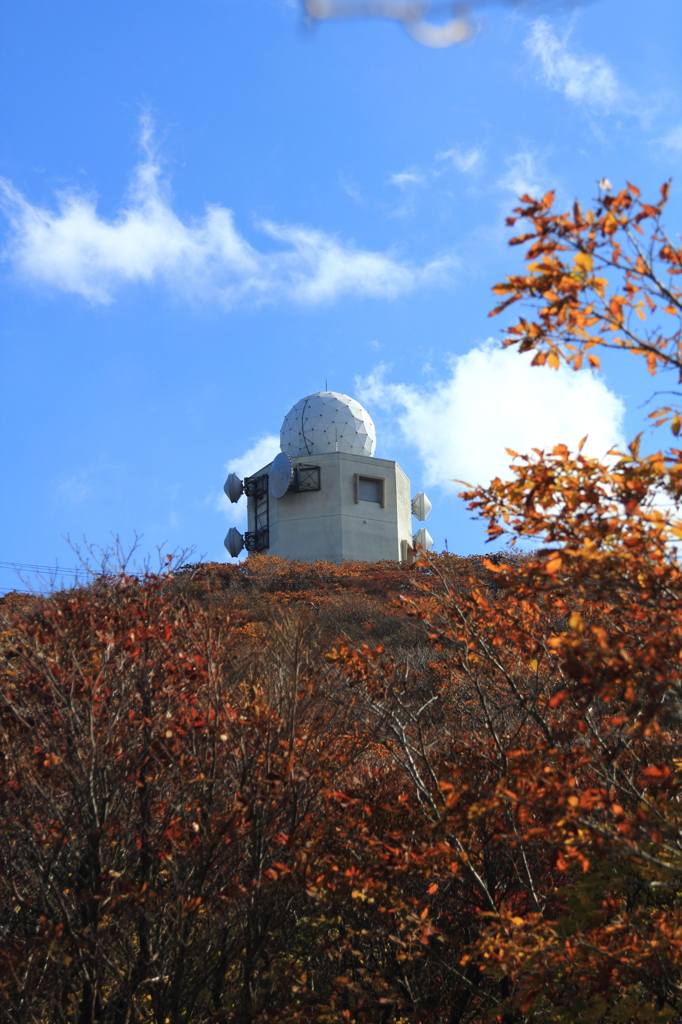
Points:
x=605, y=278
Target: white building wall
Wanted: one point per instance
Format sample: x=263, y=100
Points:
x=335, y=524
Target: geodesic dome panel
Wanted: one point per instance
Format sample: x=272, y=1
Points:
x=327, y=422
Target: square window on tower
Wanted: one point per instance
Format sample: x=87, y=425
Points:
x=370, y=488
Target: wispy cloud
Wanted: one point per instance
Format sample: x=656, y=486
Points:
x=467, y=161
x=673, y=139
x=492, y=399
x=414, y=179
x=408, y=181
x=524, y=174
x=406, y=178
x=586, y=80
x=75, y=488
x=350, y=187
x=74, y=249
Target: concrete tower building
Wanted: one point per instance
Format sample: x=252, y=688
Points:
x=325, y=497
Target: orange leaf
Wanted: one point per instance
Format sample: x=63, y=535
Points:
x=652, y=772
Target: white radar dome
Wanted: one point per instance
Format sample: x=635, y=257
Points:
x=327, y=422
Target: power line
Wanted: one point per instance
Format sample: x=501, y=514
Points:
x=53, y=570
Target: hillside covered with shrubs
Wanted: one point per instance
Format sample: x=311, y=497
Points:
x=377, y=794
x=372, y=793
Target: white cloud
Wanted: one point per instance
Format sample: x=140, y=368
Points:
x=587, y=80
x=467, y=161
x=259, y=455
x=407, y=178
x=262, y=452
x=76, y=250
x=524, y=175
x=494, y=399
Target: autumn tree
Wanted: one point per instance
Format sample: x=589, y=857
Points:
x=588, y=651
x=157, y=765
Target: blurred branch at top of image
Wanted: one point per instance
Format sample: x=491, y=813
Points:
x=453, y=22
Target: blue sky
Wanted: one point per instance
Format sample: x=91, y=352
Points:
x=209, y=213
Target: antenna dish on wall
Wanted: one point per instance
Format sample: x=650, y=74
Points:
x=281, y=474
x=422, y=540
x=234, y=542
x=234, y=487
x=421, y=506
